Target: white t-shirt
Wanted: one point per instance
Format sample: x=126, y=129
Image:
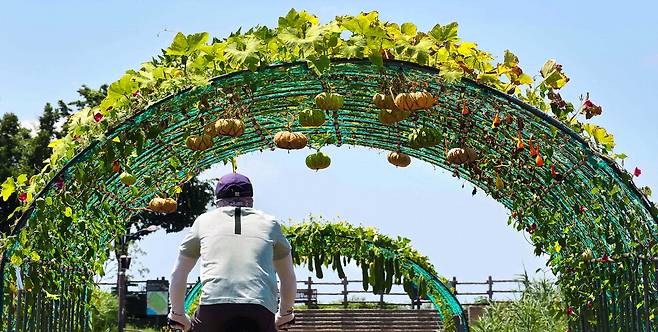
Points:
x=237, y=255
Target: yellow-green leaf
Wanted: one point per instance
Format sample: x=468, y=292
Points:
x=21, y=179
x=8, y=188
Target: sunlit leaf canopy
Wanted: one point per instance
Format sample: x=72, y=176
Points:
x=384, y=262
x=575, y=202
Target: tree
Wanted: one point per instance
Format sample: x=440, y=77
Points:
x=24, y=153
x=13, y=141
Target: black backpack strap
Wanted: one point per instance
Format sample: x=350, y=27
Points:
x=238, y=222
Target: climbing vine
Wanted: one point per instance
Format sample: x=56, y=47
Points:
x=558, y=177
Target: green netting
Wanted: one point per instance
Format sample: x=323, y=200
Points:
x=616, y=221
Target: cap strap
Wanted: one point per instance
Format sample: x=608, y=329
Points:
x=238, y=223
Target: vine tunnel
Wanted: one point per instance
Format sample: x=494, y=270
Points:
x=344, y=246
x=569, y=217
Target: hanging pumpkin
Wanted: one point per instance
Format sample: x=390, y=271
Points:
x=290, y=140
x=318, y=160
x=384, y=101
x=390, y=116
x=311, y=118
x=424, y=137
x=399, y=159
x=199, y=142
x=127, y=179
x=413, y=101
x=210, y=130
x=461, y=156
x=229, y=127
x=163, y=205
x=329, y=101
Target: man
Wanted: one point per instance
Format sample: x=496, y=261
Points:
x=240, y=248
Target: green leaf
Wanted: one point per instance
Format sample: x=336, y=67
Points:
x=409, y=29
x=21, y=179
x=511, y=60
x=16, y=260
x=319, y=64
x=68, y=211
x=600, y=136
x=444, y=34
x=466, y=48
x=183, y=45
x=243, y=52
x=8, y=188
x=366, y=24
x=376, y=59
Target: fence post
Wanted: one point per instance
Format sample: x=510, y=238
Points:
x=309, y=292
x=454, y=284
x=381, y=300
x=490, y=291
x=345, y=292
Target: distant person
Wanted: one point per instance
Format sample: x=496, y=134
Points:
x=240, y=248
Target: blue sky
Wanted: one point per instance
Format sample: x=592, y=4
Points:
x=609, y=49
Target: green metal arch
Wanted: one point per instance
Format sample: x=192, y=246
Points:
x=444, y=297
x=270, y=93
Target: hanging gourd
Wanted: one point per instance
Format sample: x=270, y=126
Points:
x=311, y=118
x=127, y=179
x=329, y=101
x=414, y=101
x=461, y=156
x=163, y=205
x=424, y=137
x=539, y=160
x=519, y=142
x=399, y=159
x=499, y=182
x=318, y=160
x=199, y=142
x=384, y=101
x=390, y=116
x=229, y=127
x=496, y=121
x=290, y=140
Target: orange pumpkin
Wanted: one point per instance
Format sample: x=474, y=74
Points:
x=199, y=142
x=384, y=101
x=399, y=159
x=229, y=127
x=290, y=140
x=163, y=205
x=461, y=156
x=413, y=101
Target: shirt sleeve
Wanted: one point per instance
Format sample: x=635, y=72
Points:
x=281, y=245
x=191, y=245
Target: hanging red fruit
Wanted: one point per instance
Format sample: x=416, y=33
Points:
x=519, y=142
x=553, y=173
x=98, y=117
x=116, y=166
x=539, y=160
x=534, y=150
x=22, y=197
x=465, y=110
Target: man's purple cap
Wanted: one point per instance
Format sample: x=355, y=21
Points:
x=234, y=185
